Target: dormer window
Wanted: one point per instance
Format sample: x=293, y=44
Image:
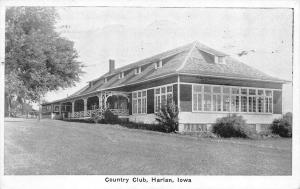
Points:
x=90, y=84
x=121, y=75
x=137, y=70
x=105, y=80
x=158, y=64
x=220, y=59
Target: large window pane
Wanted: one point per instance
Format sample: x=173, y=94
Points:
x=197, y=88
x=268, y=104
x=244, y=103
x=216, y=102
x=226, y=90
x=216, y=89
x=199, y=102
x=207, y=89
x=226, y=103
x=207, y=102
x=235, y=91
x=244, y=91
x=163, y=100
x=260, y=104
x=144, y=105
x=139, y=106
x=252, y=92
x=134, y=106
x=157, y=91
x=169, y=98
x=268, y=93
x=252, y=104
x=195, y=105
x=260, y=92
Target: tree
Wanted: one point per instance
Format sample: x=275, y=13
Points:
x=37, y=58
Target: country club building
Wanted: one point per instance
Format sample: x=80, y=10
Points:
x=205, y=84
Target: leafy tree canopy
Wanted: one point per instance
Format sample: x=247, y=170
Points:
x=37, y=58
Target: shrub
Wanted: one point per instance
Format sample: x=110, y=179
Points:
x=109, y=117
x=58, y=117
x=96, y=118
x=283, y=126
x=231, y=126
x=168, y=117
x=151, y=127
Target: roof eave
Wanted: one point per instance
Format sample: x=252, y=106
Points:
x=241, y=78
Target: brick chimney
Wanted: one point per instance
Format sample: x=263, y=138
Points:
x=111, y=65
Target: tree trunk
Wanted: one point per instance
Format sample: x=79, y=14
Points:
x=9, y=106
x=40, y=110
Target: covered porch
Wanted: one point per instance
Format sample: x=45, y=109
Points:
x=86, y=107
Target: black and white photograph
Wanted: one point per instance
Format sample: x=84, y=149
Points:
x=158, y=95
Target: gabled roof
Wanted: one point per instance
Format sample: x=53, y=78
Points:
x=194, y=58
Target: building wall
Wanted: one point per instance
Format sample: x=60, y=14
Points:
x=210, y=118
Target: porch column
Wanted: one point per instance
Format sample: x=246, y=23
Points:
x=85, y=106
x=60, y=109
x=73, y=108
x=105, y=99
x=100, y=101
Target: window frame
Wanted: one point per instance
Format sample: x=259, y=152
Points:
x=231, y=95
x=160, y=94
x=143, y=98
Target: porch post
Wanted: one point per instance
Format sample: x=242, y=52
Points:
x=59, y=108
x=100, y=101
x=85, y=106
x=105, y=100
x=73, y=108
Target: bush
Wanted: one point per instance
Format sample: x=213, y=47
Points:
x=283, y=126
x=231, y=126
x=96, y=118
x=58, y=117
x=109, y=117
x=151, y=127
x=168, y=117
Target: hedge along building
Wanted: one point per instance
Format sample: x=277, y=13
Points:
x=205, y=84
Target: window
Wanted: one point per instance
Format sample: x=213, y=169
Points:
x=231, y=99
x=105, y=80
x=121, y=75
x=163, y=96
x=252, y=100
x=268, y=101
x=207, y=98
x=137, y=70
x=226, y=99
x=235, y=99
x=197, y=98
x=260, y=101
x=158, y=64
x=139, y=102
x=244, y=100
x=219, y=59
x=56, y=108
x=217, y=99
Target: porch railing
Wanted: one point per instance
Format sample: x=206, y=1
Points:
x=99, y=112
x=120, y=112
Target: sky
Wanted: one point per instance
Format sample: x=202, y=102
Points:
x=261, y=38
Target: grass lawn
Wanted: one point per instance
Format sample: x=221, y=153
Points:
x=57, y=147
